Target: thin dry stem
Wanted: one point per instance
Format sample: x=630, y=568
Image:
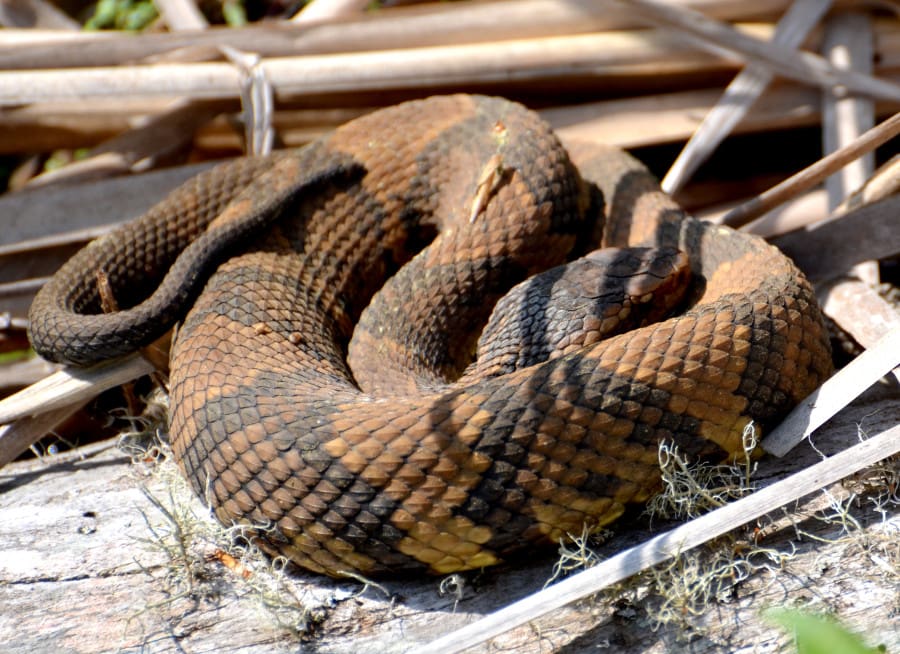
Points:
x=814, y=174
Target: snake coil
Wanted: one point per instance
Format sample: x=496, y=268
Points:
x=385, y=243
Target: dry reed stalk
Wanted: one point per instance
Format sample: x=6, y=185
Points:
x=295, y=127
x=401, y=27
x=836, y=393
x=139, y=148
x=17, y=437
x=809, y=177
x=627, y=122
x=521, y=61
x=883, y=183
x=848, y=44
x=37, y=127
x=654, y=119
x=740, y=95
x=35, y=14
x=593, y=57
x=71, y=386
x=19, y=374
x=164, y=133
x=329, y=10
x=181, y=15
x=797, y=213
x=723, y=39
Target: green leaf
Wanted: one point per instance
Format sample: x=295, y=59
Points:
x=818, y=634
x=138, y=16
x=234, y=13
x=104, y=15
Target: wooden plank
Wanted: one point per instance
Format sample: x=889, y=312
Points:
x=38, y=214
x=860, y=311
x=830, y=249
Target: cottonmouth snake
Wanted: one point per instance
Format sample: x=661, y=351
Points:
x=419, y=470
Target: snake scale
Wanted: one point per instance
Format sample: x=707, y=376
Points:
x=386, y=244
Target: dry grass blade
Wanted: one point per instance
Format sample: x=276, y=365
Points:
x=671, y=543
x=814, y=174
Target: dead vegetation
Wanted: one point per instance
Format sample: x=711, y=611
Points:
x=857, y=519
x=96, y=126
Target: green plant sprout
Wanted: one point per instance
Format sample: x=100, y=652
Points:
x=818, y=634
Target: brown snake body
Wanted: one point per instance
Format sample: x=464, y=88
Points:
x=410, y=456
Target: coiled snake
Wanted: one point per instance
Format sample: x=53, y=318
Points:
x=411, y=457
